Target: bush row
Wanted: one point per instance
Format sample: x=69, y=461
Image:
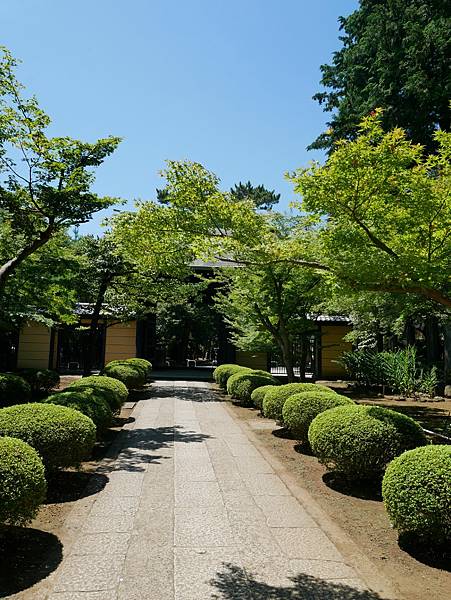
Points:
x=132, y=372
x=58, y=432
x=364, y=442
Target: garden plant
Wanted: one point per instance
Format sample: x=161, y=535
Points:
x=416, y=490
x=241, y=385
x=275, y=399
x=63, y=437
x=300, y=409
x=22, y=482
x=359, y=441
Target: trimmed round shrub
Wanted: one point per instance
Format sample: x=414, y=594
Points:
x=299, y=410
x=275, y=399
x=131, y=376
x=242, y=384
x=41, y=381
x=114, y=391
x=22, y=482
x=359, y=441
x=62, y=436
x=223, y=372
x=141, y=363
x=13, y=390
x=417, y=492
x=89, y=402
x=258, y=395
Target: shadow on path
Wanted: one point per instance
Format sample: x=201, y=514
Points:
x=26, y=556
x=234, y=583
x=68, y=486
x=139, y=446
x=192, y=394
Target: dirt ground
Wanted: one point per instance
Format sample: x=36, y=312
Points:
x=361, y=514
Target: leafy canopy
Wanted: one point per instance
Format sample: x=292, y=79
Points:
x=385, y=210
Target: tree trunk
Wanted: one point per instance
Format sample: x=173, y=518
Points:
x=93, y=330
x=8, y=268
x=287, y=356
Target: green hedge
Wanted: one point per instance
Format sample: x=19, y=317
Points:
x=360, y=441
x=41, y=381
x=13, y=390
x=132, y=376
x=299, y=410
x=417, y=493
x=222, y=373
x=63, y=437
x=141, y=363
x=241, y=385
x=258, y=395
x=22, y=482
x=275, y=399
x=88, y=401
x=114, y=391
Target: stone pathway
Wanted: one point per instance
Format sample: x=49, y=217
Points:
x=193, y=511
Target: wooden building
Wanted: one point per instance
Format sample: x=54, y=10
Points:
x=61, y=348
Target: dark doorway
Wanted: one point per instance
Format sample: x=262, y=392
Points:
x=9, y=345
x=72, y=344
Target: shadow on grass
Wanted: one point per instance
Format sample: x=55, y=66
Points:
x=234, y=583
x=26, y=557
x=438, y=556
x=68, y=486
x=363, y=489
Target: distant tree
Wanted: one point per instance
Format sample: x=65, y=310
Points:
x=395, y=54
x=261, y=197
x=46, y=184
x=268, y=304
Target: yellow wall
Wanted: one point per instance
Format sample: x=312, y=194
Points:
x=254, y=360
x=120, y=341
x=34, y=347
x=332, y=347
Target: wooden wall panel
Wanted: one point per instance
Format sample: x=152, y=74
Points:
x=120, y=341
x=332, y=347
x=34, y=347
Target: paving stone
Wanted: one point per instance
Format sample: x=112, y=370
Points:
x=266, y=484
x=284, y=511
x=125, y=484
x=156, y=525
x=108, y=523
x=144, y=559
x=202, y=526
x=309, y=542
x=198, y=493
x=322, y=569
x=147, y=587
x=105, y=595
x=99, y=573
x=113, y=506
x=102, y=543
x=203, y=573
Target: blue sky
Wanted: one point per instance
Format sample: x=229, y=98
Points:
x=225, y=83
